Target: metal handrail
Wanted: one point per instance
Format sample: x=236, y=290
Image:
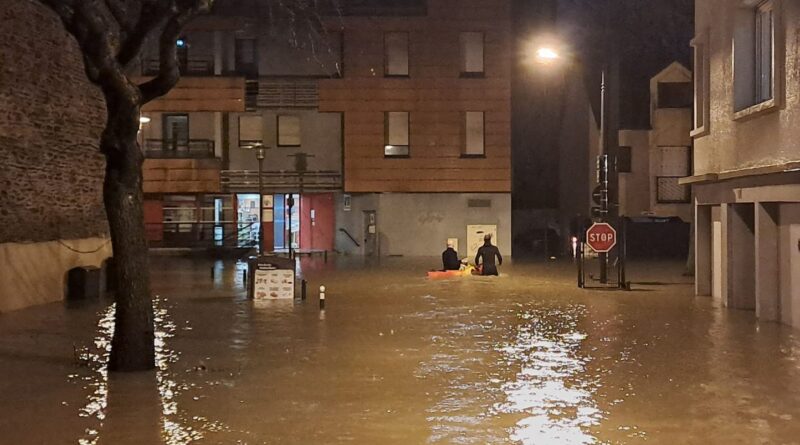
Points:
x=343, y=230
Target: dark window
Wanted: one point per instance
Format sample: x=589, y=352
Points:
x=182, y=48
x=675, y=95
x=245, y=56
x=624, y=160
x=175, y=131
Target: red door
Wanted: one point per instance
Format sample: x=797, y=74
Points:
x=317, y=221
x=154, y=219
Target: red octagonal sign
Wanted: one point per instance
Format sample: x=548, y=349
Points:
x=601, y=237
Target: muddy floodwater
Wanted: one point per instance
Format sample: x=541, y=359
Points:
x=396, y=358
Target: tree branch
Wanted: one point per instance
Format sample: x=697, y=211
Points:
x=168, y=70
x=150, y=17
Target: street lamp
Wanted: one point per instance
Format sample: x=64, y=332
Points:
x=261, y=153
x=547, y=55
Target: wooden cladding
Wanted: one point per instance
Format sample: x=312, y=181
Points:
x=181, y=175
x=202, y=94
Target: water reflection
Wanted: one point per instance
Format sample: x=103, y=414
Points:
x=551, y=390
x=175, y=429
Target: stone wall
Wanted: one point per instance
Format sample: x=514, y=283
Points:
x=51, y=118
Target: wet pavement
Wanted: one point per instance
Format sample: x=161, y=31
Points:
x=397, y=358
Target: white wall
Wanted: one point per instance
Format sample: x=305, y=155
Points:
x=419, y=224
x=768, y=139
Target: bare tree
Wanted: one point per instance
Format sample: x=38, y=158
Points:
x=111, y=35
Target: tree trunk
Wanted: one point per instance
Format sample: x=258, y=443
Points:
x=132, y=347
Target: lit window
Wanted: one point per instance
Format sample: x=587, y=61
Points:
x=471, y=54
x=396, y=135
x=754, y=55
x=288, y=131
x=396, y=46
x=474, y=126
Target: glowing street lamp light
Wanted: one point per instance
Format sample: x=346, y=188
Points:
x=547, y=55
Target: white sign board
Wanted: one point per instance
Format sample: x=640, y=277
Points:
x=475, y=236
x=273, y=284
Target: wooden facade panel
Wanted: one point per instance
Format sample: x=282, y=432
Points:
x=181, y=176
x=435, y=96
x=201, y=94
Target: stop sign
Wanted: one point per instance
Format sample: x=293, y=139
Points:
x=601, y=237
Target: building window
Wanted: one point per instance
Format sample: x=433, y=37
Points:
x=251, y=130
x=624, y=160
x=288, y=131
x=754, y=68
x=474, y=134
x=674, y=95
x=702, y=110
x=396, y=58
x=396, y=134
x=176, y=131
x=245, y=57
x=471, y=54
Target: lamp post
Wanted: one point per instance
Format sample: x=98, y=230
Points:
x=261, y=153
x=548, y=55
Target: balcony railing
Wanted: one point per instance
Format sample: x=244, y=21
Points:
x=668, y=191
x=195, y=66
x=191, y=149
x=280, y=181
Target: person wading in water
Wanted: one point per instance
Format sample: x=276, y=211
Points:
x=488, y=252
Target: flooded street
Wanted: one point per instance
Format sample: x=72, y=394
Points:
x=396, y=358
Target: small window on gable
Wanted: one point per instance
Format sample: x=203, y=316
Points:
x=288, y=131
x=674, y=95
x=396, y=57
x=754, y=68
x=396, y=136
x=471, y=54
x=474, y=132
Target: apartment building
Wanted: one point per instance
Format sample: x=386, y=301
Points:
x=651, y=161
x=244, y=86
x=425, y=100
x=387, y=131
x=746, y=175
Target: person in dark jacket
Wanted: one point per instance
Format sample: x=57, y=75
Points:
x=488, y=252
x=450, y=259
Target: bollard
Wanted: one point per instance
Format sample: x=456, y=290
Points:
x=212, y=272
x=322, y=297
x=303, y=290
x=244, y=277
x=326, y=256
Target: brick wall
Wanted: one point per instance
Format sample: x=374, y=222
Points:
x=50, y=122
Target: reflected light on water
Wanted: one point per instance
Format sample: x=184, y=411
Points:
x=174, y=431
x=551, y=391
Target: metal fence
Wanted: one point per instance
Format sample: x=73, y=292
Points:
x=669, y=191
x=193, y=148
x=202, y=234
x=280, y=181
x=193, y=67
